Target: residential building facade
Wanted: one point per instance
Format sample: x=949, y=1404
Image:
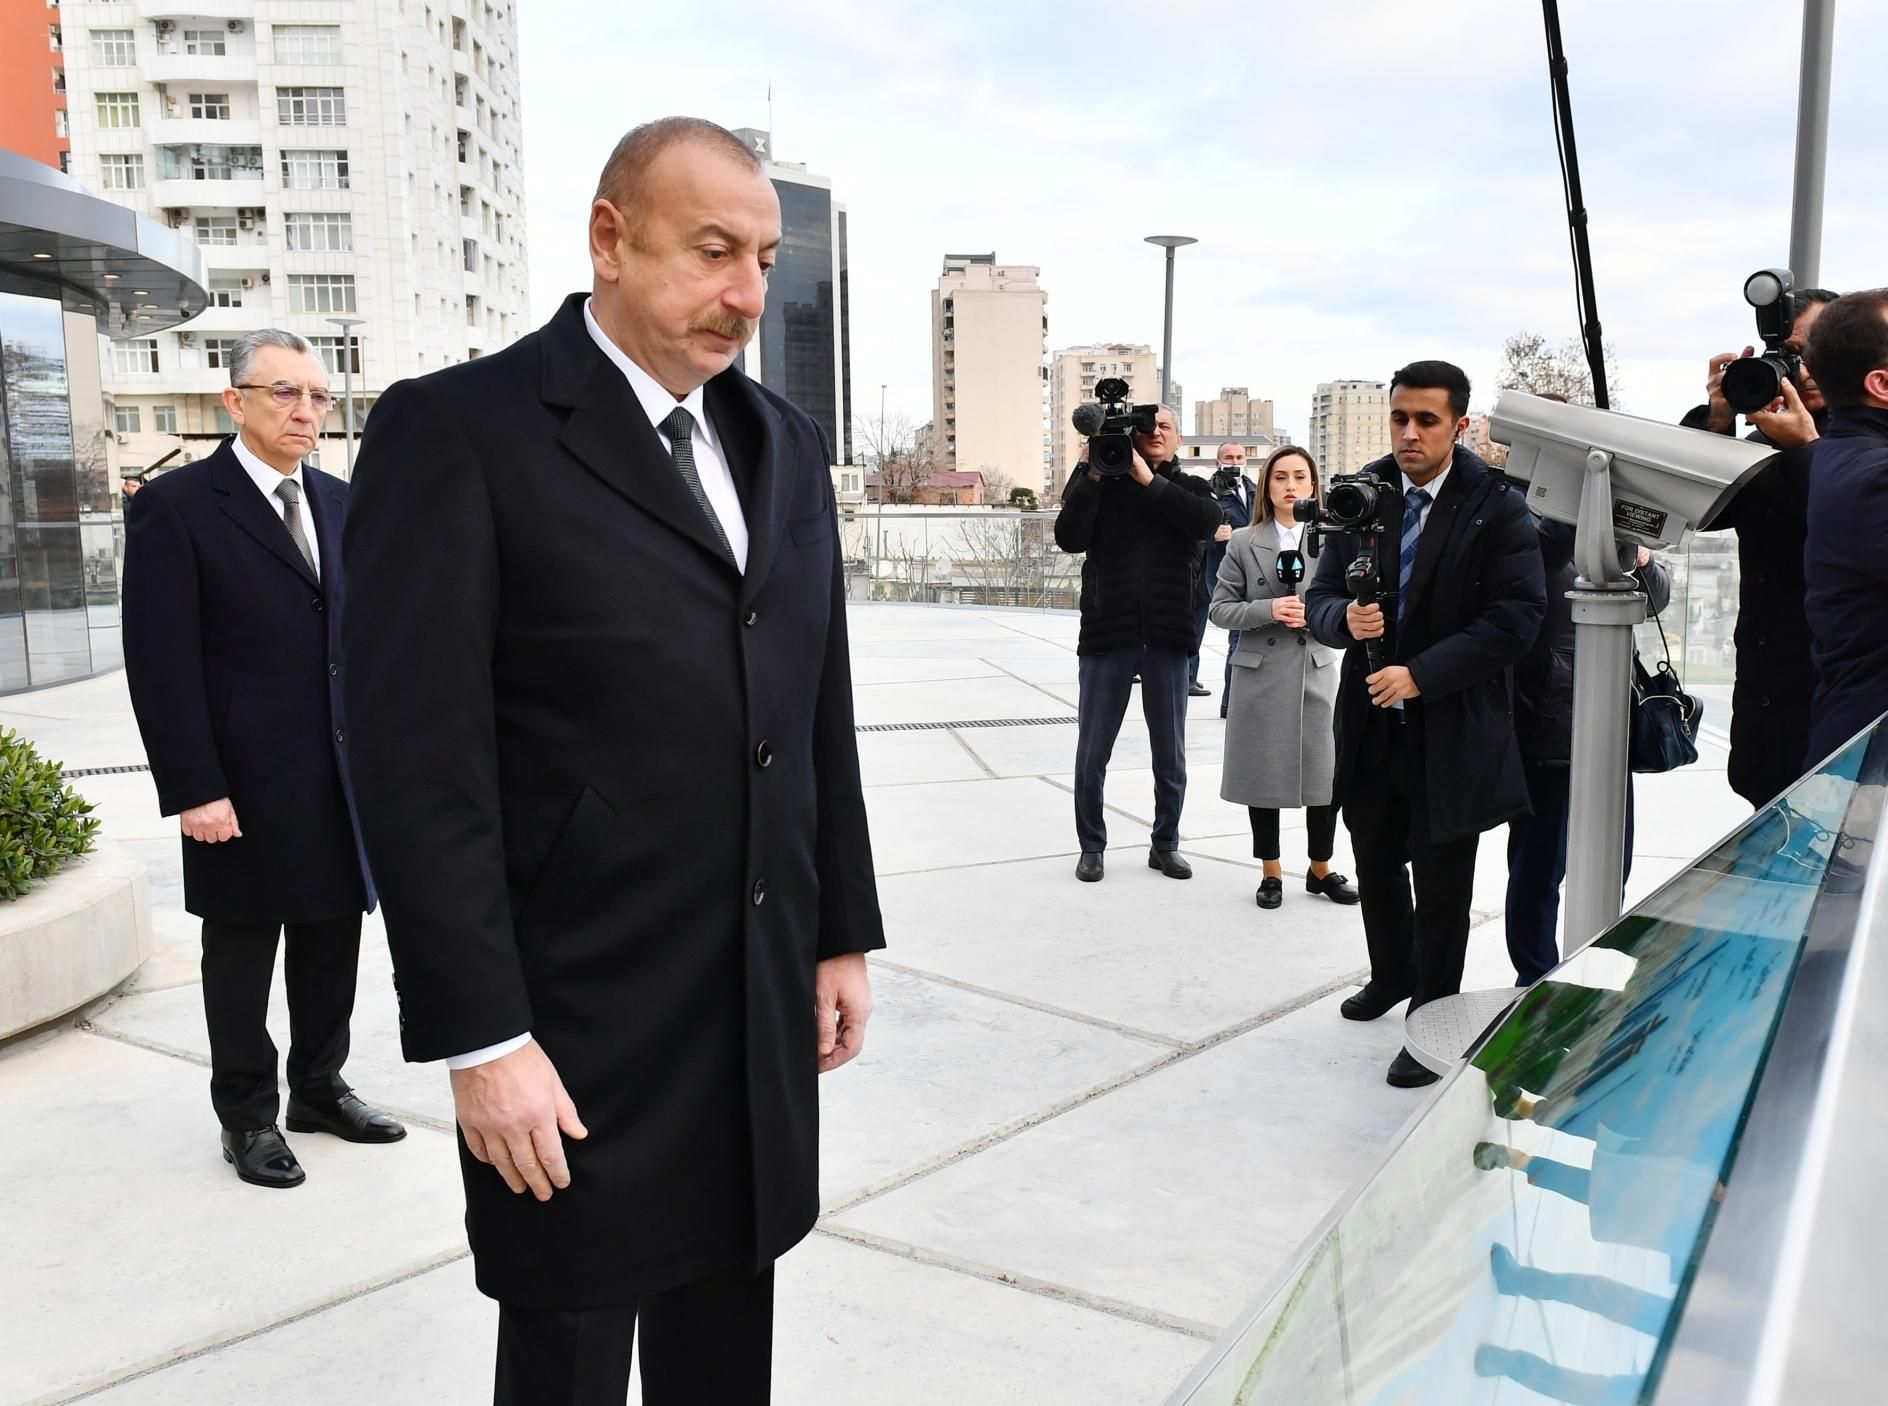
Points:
x=33, y=116
x=989, y=333
x=1074, y=372
x=1233, y=415
x=331, y=162
x=1350, y=425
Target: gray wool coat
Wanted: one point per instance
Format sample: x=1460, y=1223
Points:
x=1280, y=748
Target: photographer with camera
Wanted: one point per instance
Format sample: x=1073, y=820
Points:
x=1141, y=529
x=1845, y=570
x=1770, y=697
x=1430, y=578
x=1236, y=494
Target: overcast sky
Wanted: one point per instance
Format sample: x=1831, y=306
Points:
x=1372, y=181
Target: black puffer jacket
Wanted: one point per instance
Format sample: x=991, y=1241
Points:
x=1144, y=547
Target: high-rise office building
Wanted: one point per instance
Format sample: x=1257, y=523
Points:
x=803, y=350
x=33, y=114
x=1074, y=372
x=989, y=330
x=1350, y=425
x=1234, y=415
x=331, y=161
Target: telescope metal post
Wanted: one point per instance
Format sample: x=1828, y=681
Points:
x=1812, y=142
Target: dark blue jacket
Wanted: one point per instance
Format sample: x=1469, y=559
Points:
x=1845, y=575
x=1236, y=518
x=233, y=656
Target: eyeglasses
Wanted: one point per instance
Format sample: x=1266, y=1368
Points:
x=285, y=394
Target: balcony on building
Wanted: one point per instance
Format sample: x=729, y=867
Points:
x=179, y=13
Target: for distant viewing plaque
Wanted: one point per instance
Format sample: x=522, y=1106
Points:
x=1638, y=518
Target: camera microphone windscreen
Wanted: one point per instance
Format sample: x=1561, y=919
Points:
x=1087, y=419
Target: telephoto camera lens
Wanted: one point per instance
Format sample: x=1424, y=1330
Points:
x=1752, y=382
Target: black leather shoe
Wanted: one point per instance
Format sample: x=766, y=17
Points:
x=1371, y=1002
x=1088, y=867
x=1199, y=690
x=1222, y=710
x=1335, y=887
x=262, y=1158
x=1407, y=1073
x=347, y=1118
x=1169, y=862
x=1271, y=892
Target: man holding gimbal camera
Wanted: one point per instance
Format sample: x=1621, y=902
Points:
x=1141, y=522
x=1430, y=579
x=1237, y=497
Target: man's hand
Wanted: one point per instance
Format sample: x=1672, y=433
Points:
x=1142, y=474
x=1392, y=684
x=1224, y=534
x=842, y=1003
x=1289, y=611
x=511, y=1111
x=212, y=823
x=1785, y=420
x=1365, y=622
x=1721, y=418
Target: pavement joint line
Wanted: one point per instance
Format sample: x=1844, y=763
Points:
x=1027, y=683
x=1043, y=1007
x=914, y=683
x=203, y=1347
x=872, y=1191
x=1025, y=1283
x=176, y=1052
x=964, y=742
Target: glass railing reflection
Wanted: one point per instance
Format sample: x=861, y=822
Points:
x=1531, y=1240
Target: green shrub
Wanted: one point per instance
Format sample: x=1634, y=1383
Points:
x=43, y=821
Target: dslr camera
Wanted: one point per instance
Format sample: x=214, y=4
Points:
x=1110, y=427
x=1752, y=382
x=1369, y=506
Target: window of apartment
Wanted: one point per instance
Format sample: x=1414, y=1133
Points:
x=114, y=48
x=121, y=172
x=61, y=124
x=470, y=249
x=218, y=352
x=307, y=43
x=226, y=292
x=329, y=349
x=164, y=419
x=216, y=229
x=319, y=233
x=126, y=419
x=117, y=109
x=321, y=292
x=210, y=42
x=311, y=107
x=212, y=106
x=314, y=170
x=135, y=357
x=56, y=37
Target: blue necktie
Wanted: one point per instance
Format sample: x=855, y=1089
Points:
x=1414, y=501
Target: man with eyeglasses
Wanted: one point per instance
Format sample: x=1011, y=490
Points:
x=232, y=607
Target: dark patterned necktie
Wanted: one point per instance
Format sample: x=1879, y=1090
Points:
x=290, y=493
x=1414, y=501
x=680, y=428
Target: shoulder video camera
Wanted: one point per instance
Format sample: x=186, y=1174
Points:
x=1753, y=382
x=1110, y=426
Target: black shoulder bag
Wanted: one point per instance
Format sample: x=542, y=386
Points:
x=1665, y=718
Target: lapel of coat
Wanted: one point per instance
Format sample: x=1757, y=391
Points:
x=1465, y=477
x=1261, y=562
x=608, y=433
x=754, y=437
x=243, y=504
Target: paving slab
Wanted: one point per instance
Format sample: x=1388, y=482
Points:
x=958, y=700
x=943, y=826
x=875, y=671
x=907, y=758
x=1184, y=1191
x=126, y=1238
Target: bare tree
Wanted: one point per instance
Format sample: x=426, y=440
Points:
x=996, y=484
x=1529, y=363
x=899, y=454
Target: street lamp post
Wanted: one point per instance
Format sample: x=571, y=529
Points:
x=1169, y=242
x=347, y=326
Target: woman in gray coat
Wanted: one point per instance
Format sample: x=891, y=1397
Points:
x=1280, y=749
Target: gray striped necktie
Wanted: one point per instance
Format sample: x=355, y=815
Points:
x=290, y=492
x=680, y=428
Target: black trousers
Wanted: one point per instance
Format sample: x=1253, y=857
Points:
x=1537, y=866
x=1320, y=832
x=1106, y=681
x=1417, y=941
x=709, y=1341
x=319, y=970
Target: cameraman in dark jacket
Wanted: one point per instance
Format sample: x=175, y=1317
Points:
x=1238, y=505
x=1426, y=757
x=1775, y=679
x=1543, y=728
x=1142, y=533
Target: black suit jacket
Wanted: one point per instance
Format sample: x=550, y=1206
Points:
x=1237, y=516
x=1477, y=598
x=611, y=790
x=233, y=656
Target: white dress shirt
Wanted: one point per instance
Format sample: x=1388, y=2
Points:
x=266, y=479
x=717, y=481
x=711, y=464
x=1289, y=534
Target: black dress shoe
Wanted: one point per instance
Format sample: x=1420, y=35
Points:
x=1335, y=887
x=1371, y=1002
x=262, y=1158
x=1169, y=862
x=1199, y=690
x=347, y=1118
x=1088, y=867
x=1406, y=1072
x=1271, y=892
x=1222, y=710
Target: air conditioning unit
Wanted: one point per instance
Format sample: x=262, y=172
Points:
x=245, y=219
x=235, y=26
x=175, y=218
x=265, y=278
x=249, y=283
x=186, y=339
x=164, y=27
